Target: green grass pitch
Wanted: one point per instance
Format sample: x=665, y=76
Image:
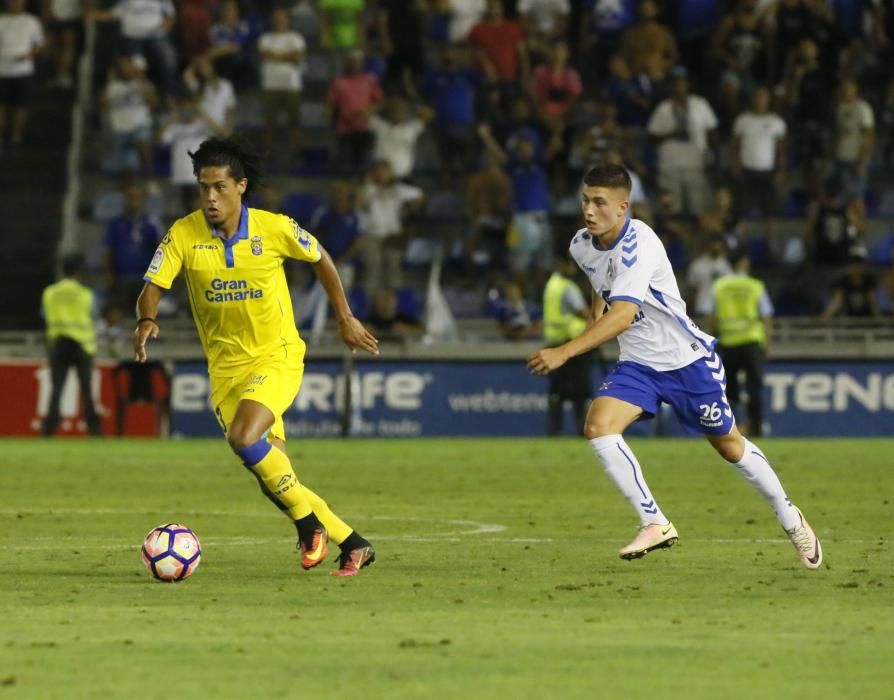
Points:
x=497, y=575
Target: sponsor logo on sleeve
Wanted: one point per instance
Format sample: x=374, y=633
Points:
x=157, y=260
x=302, y=237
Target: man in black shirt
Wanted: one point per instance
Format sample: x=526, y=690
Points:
x=854, y=294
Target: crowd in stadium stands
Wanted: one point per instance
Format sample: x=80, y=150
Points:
x=762, y=125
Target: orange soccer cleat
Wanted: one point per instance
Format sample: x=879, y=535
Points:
x=316, y=553
x=350, y=563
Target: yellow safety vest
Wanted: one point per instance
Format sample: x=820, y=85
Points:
x=736, y=301
x=66, y=309
x=559, y=327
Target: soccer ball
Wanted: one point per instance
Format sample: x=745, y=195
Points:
x=171, y=552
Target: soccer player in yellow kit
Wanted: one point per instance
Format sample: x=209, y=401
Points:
x=232, y=259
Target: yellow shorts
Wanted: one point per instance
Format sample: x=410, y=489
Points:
x=274, y=384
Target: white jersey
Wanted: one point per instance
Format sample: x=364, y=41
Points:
x=636, y=269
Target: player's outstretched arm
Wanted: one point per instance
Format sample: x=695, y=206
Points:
x=351, y=331
x=147, y=310
x=610, y=325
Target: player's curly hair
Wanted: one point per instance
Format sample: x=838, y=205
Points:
x=608, y=175
x=236, y=154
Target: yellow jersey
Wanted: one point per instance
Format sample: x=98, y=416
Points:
x=237, y=288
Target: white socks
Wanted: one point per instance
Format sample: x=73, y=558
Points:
x=623, y=468
x=621, y=465
x=755, y=467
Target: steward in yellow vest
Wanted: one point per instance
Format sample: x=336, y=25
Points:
x=742, y=316
x=563, y=303
x=565, y=311
x=71, y=339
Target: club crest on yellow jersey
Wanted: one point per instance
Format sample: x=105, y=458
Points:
x=256, y=247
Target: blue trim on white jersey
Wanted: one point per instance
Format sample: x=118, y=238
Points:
x=241, y=235
x=621, y=234
x=682, y=321
x=621, y=297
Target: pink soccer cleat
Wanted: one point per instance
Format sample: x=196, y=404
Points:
x=806, y=543
x=649, y=537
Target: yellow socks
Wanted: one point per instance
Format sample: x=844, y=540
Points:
x=337, y=528
x=274, y=471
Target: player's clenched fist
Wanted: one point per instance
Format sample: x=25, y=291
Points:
x=546, y=360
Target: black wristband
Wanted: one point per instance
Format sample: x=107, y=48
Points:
x=147, y=318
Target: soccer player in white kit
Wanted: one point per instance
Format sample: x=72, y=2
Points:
x=664, y=357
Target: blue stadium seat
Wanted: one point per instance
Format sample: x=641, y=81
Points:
x=317, y=160
x=759, y=252
x=873, y=201
x=319, y=68
x=358, y=303
x=107, y=205
x=301, y=206
x=445, y=205
x=161, y=161
x=315, y=114
x=409, y=302
x=795, y=204
x=882, y=252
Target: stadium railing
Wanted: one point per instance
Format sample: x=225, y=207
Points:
x=479, y=339
x=70, y=239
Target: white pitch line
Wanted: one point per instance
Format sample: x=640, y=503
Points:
x=221, y=542
x=478, y=528
x=74, y=544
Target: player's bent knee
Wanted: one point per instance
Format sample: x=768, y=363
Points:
x=240, y=437
x=599, y=428
x=730, y=447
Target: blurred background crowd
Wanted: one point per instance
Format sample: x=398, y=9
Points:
x=402, y=132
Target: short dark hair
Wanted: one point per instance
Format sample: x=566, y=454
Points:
x=738, y=255
x=608, y=175
x=72, y=264
x=233, y=153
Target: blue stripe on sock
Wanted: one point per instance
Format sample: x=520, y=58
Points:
x=633, y=469
x=253, y=454
x=760, y=454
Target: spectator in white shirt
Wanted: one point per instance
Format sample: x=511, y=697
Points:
x=683, y=125
x=639, y=203
x=854, y=141
x=21, y=39
x=127, y=101
x=385, y=204
x=396, y=135
x=464, y=14
x=545, y=22
x=217, y=97
x=710, y=265
x=282, y=57
x=145, y=26
x=758, y=157
x=184, y=134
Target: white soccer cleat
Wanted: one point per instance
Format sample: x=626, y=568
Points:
x=650, y=537
x=806, y=543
